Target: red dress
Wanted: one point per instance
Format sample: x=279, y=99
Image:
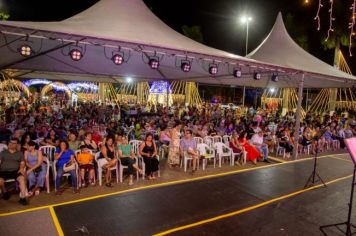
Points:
x=252, y=152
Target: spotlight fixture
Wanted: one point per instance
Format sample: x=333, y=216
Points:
x=117, y=59
x=257, y=76
x=274, y=77
x=76, y=54
x=25, y=50
x=185, y=66
x=154, y=63
x=213, y=69
x=237, y=73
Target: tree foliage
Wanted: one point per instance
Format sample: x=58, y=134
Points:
x=4, y=16
x=193, y=32
x=297, y=32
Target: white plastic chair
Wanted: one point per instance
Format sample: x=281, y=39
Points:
x=217, y=139
x=100, y=169
x=48, y=151
x=136, y=147
x=207, y=152
x=208, y=140
x=122, y=167
x=76, y=152
x=222, y=150
x=198, y=140
x=45, y=160
x=226, y=139
x=242, y=155
x=185, y=161
x=306, y=149
x=280, y=150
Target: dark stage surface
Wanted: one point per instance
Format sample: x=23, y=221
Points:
x=156, y=210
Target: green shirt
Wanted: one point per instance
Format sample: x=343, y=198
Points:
x=126, y=149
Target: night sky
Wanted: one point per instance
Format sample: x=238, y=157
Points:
x=218, y=19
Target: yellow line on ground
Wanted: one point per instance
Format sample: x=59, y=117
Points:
x=277, y=159
x=248, y=208
x=159, y=185
x=342, y=159
x=56, y=222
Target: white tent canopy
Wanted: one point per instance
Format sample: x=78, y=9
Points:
x=279, y=48
x=129, y=25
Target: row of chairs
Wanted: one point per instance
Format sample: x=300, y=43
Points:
x=49, y=151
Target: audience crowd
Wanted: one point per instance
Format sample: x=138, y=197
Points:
x=93, y=137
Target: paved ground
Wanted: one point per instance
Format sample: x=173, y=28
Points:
x=154, y=210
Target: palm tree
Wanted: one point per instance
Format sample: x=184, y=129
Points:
x=193, y=32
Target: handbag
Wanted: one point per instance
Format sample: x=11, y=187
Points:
x=68, y=167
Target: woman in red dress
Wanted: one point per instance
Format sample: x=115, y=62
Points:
x=252, y=152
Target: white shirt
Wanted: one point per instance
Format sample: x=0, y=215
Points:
x=256, y=138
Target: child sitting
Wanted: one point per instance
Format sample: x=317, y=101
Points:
x=85, y=160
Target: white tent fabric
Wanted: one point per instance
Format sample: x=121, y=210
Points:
x=279, y=48
x=127, y=21
x=99, y=30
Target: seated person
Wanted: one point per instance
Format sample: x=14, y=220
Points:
x=148, y=151
x=89, y=142
x=189, y=145
x=64, y=156
x=86, y=164
x=12, y=166
x=284, y=141
x=107, y=159
x=127, y=158
x=258, y=142
x=36, y=172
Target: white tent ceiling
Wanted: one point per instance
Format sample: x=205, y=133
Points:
x=104, y=27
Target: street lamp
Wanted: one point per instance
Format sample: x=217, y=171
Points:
x=246, y=20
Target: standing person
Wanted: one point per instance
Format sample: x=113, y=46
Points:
x=13, y=167
x=64, y=156
x=36, y=172
x=148, y=151
x=189, y=145
x=107, y=159
x=174, y=154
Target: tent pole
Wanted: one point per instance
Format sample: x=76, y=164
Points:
x=306, y=100
x=243, y=96
x=298, y=115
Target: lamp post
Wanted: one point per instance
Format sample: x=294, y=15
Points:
x=246, y=20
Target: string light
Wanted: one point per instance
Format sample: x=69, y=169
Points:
x=331, y=20
x=352, y=25
x=317, y=17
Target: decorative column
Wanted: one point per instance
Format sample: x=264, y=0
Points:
x=298, y=116
x=332, y=100
x=102, y=88
x=285, y=101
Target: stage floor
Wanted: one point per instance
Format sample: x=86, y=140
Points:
x=265, y=201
